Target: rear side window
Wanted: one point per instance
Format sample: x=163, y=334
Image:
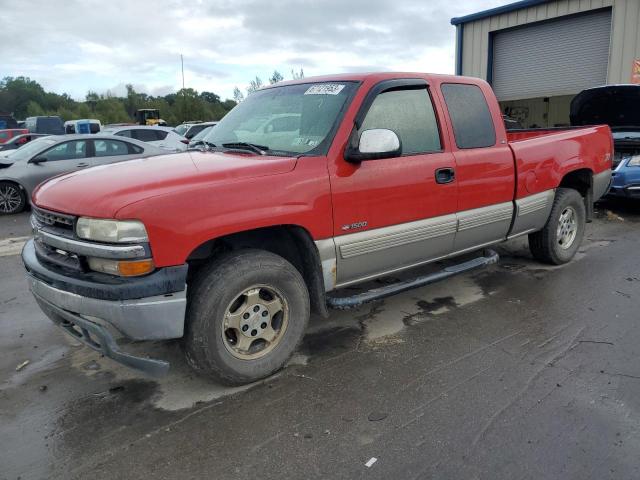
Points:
x=161, y=134
x=145, y=135
x=470, y=116
x=134, y=149
x=108, y=148
x=410, y=114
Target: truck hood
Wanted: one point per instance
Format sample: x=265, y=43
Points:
x=102, y=191
x=613, y=105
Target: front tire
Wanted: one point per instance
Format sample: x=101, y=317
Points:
x=247, y=313
x=559, y=240
x=12, y=198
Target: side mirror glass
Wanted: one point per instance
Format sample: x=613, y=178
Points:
x=375, y=144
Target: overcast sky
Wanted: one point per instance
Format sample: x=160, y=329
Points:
x=74, y=46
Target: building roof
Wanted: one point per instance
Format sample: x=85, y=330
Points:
x=511, y=7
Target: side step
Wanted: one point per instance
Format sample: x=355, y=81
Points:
x=344, y=303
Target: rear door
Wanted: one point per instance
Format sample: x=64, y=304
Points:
x=111, y=151
x=485, y=169
x=392, y=213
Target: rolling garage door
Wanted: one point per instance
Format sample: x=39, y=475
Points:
x=559, y=57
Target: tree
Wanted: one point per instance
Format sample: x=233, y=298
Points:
x=276, y=77
x=210, y=97
x=237, y=95
x=254, y=85
x=25, y=97
x=297, y=75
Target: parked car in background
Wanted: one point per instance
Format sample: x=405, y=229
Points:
x=45, y=124
x=197, y=141
x=8, y=134
x=85, y=125
x=619, y=107
x=19, y=141
x=190, y=130
x=23, y=169
x=7, y=121
x=162, y=137
x=358, y=176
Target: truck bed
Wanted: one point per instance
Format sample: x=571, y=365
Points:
x=544, y=155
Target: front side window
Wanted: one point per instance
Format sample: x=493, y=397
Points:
x=410, y=114
x=108, y=148
x=66, y=151
x=286, y=120
x=470, y=117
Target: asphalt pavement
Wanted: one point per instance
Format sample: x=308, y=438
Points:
x=516, y=371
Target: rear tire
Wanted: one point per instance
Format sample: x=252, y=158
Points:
x=12, y=198
x=559, y=240
x=247, y=313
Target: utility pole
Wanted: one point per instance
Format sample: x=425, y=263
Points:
x=182, y=65
x=184, y=97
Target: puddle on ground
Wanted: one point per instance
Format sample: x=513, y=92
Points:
x=377, y=324
x=390, y=316
x=181, y=388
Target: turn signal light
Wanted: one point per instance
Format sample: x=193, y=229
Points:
x=135, y=268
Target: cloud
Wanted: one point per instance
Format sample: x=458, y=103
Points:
x=81, y=45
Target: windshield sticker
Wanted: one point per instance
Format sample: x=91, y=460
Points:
x=324, y=89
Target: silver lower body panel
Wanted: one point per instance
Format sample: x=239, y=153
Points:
x=152, y=318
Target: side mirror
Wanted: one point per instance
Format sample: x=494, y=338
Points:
x=374, y=144
x=37, y=160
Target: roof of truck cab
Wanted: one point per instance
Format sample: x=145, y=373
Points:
x=375, y=77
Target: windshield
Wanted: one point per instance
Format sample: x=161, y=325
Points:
x=181, y=129
x=31, y=148
x=291, y=119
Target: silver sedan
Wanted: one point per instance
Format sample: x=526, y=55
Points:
x=23, y=169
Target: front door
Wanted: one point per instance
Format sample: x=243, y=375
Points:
x=64, y=157
x=392, y=213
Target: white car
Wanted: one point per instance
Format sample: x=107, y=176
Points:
x=163, y=137
x=190, y=130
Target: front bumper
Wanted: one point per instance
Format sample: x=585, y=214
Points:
x=93, y=312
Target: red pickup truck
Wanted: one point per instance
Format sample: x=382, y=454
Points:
x=302, y=189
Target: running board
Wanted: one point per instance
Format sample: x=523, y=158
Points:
x=344, y=303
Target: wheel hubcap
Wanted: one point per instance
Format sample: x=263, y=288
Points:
x=255, y=322
x=9, y=198
x=567, y=227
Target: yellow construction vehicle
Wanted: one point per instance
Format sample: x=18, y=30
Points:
x=149, y=116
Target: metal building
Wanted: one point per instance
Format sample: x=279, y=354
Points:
x=537, y=54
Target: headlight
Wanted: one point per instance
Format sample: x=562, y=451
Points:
x=634, y=162
x=112, y=231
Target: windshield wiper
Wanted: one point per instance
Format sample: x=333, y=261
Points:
x=259, y=149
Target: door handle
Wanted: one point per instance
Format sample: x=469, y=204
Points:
x=82, y=165
x=445, y=175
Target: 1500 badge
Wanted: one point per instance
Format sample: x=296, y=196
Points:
x=354, y=226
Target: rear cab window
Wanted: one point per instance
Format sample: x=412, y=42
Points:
x=470, y=116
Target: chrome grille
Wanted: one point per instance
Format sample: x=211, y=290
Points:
x=53, y=219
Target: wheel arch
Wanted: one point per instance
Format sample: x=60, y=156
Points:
x=292, y=242
x=581, y=180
